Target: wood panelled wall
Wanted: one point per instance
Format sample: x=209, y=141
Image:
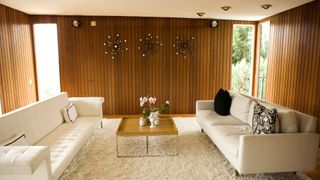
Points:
x=86, y=71
x=17, y=77
x=293, y=78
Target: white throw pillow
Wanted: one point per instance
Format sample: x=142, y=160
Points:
x=240, y=106
x=70, y=113
x=17, y=140
x=250, y=115
x=288, y=122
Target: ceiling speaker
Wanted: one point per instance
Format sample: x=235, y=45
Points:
x=76, y=23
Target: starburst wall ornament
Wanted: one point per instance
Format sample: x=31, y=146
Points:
x=115, y=46
x=148, y=44
x=184, y=46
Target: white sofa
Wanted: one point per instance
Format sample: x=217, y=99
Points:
x=249, y=153
x=52, y=143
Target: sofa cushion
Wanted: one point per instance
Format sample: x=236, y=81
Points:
x=250, y=115
x=306, y=123
x=229, y=136
x=17, y=140
x=211, y=118
x=288, y=122
x=222, y=102
x=21, y=160
x=35, y=120
x=70, y=113
x=88, y=106
x=65, y=142
x=240, y=107
x=265, y=121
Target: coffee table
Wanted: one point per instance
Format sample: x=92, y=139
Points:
x=129, y=127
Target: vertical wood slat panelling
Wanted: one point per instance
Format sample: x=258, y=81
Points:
x=86, y=71
x=293, y=66
x=293, y=78
x=16, y=60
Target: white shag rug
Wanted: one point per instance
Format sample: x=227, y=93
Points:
x=198, y=158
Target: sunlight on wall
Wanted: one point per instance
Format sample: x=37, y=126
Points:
x=47, y=60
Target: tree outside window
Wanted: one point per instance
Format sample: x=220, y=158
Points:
x=242, y=53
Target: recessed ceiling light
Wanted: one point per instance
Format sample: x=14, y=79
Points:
x=200, y=14
x=225, y=8
x=266, y=6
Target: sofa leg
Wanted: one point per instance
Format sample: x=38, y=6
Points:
x=201, y=130
x=236, y=173
x=101, y=124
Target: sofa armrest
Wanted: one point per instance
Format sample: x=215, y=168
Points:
x=204, y=105
x=88, y=106
x=21, y=162
x=277, y=152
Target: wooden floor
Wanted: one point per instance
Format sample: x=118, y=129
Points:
x=315, y=175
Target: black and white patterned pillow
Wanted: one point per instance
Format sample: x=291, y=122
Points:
x=265, y=121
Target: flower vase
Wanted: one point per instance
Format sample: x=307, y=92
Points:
x=152, y=119
x=156, y=115
x=142, y=121
x=152, y=123
x=156, y=122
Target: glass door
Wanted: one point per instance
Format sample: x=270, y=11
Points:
x=47, y=59
x=264, y=30
x=242, y=58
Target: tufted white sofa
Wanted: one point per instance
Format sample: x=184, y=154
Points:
x=249, y=153
x=52, y=142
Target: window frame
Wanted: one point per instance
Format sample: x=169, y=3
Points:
x=257, y=57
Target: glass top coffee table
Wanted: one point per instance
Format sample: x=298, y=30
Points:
x=129, y=127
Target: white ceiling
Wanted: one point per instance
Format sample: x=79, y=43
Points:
x=241, y=9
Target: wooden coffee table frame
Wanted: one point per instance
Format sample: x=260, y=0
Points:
x=129, y=127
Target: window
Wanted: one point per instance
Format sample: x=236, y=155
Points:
x=242, y=58
x=47, y=59
x=264, y=30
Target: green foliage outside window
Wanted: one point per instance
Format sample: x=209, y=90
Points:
x=241, y=49
x=241, y=58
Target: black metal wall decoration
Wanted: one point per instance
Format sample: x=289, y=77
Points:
x=148, y=44
x=115, y=46
x=184, y=46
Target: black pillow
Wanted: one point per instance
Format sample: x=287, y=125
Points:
x=222, y=102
